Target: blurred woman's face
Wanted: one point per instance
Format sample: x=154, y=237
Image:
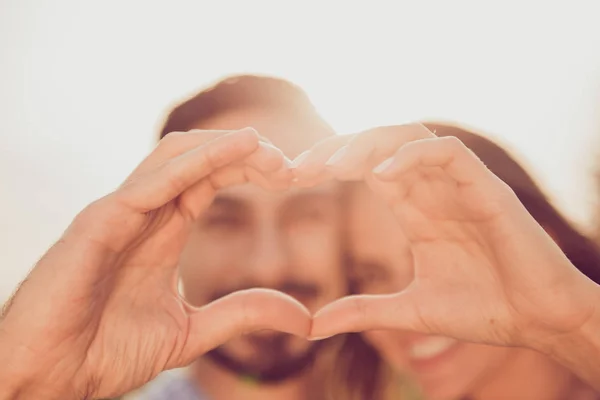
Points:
x=444, y=368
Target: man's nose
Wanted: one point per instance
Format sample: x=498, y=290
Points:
x=269, y=261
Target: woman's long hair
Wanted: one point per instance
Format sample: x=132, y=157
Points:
x=365, y=375
x=581, y=250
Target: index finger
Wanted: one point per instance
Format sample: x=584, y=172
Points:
x=173, y=177
x=310, y=163
x=371, y=147
x=176, y=143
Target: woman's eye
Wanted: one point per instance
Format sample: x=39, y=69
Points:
x=371, y=278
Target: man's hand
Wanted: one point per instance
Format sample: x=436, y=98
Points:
x=484, y=270
x=100, y=314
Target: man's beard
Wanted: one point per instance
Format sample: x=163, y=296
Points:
x=275, y=361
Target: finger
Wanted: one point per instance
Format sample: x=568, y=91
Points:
x=195, y=200
x=366, y=312
x=173, y=177
x=243, y=312
x=369, y=148
x=311, y=163
x=272, y=181
x=449, y=153
x=266, y=159
x=173, y=145
x=266, y=167
x=176, y=143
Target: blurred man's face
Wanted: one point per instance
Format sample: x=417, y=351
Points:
x=249, y=237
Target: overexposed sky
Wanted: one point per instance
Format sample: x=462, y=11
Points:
x=85, y=85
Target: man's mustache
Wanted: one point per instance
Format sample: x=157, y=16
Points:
x=298, y=290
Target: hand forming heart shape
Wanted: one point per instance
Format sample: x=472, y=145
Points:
x=484, y=270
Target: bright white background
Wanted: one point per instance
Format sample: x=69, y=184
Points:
x=84, y=86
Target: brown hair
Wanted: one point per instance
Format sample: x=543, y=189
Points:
x=583, y=252
x=276, y=94
x=235, y=92
x=366, y=373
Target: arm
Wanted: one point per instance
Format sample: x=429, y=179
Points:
x=68, y=332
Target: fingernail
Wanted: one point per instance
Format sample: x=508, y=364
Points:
x=300, y=159
x=314, y=339
x=271, y=149
x=337, y=156
x=383, y=166
x=287, y=162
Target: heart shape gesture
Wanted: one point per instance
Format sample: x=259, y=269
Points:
x=484, y=270
x=101, y=310
x=100, y=314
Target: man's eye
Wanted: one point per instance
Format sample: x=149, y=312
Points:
x=223, y=221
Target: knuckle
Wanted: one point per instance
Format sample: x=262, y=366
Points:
x=92, y=211
x=215, y=156
x=176, y=180
x=94, y=215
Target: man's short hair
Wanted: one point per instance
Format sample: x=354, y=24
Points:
x=236, y=92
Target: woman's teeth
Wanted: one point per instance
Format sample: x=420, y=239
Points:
x=430, y=347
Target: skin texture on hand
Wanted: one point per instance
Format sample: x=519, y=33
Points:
x=484, y=270
x=100, y=314
x=579, y=350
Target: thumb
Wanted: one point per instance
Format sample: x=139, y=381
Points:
x=366, y=312
x=243, y=312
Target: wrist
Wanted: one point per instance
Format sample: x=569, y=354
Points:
x=19, y=374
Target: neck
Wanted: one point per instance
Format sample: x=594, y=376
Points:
x=220, y=384
x=527, y=374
